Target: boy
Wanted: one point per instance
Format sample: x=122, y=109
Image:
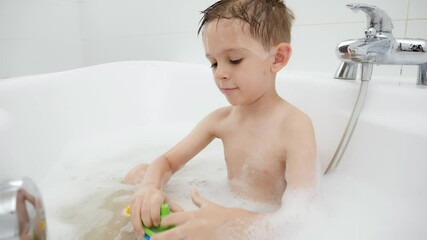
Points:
x=268, y=144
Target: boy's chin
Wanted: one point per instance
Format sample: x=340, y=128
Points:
x=236, y=101
x=233, y=103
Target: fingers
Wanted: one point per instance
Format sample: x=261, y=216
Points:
x=136, y=217
x=150, y=213
x=156, y=202
x=146, y=212
x=198, y=200
x=176, y=219
x=145, y=209
x=174, y=206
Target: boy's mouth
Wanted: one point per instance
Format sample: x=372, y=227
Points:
x=228, y=90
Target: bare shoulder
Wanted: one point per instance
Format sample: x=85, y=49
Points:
x=295, y=124
x=221, y=112
x=215, y=120
x=294, y=117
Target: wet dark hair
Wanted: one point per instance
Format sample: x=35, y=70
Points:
x=270, y=21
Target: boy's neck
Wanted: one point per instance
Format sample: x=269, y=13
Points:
x=261, y=106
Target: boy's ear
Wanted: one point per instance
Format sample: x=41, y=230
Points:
x=281, y=58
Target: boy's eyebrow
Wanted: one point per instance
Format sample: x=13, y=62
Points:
x=228, y=50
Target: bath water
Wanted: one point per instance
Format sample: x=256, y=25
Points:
x=85, y=197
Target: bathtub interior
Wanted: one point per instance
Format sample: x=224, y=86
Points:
x=78, y=132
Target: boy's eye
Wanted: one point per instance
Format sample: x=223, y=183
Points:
x=236, y=61
x=214, y=65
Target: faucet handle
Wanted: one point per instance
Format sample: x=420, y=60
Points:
x=379, y=22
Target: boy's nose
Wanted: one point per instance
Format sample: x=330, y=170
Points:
x=221, y=73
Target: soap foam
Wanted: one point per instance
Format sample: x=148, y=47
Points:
x=85, y=198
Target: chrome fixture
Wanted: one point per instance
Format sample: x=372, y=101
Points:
x=345, y=139
x=380, y=47
x=377, y=47
x=22, y=214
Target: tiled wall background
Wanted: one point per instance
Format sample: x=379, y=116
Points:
x=38, y=36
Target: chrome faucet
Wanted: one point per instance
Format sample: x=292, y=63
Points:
x=377, y=47
x=380, y=47
x=22, y=214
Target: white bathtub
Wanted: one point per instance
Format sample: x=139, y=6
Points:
x=77, y=133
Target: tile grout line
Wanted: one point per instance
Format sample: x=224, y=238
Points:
x=407, y=18
x=405, y=34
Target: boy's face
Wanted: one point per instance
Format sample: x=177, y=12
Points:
x=240, y=64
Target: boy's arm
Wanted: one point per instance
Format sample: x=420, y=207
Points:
x=175, y=158
x=147, y=200
x=301, y=165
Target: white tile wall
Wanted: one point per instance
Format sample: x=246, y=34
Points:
x=37, y=19
x=149, y=29
x=139, y=17
x=417, y=29
x=184, y=47
x=118, y=30
x=31, y=56
x=39, y=36
x=417, y=9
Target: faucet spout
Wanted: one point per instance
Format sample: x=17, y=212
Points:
x=370, y=50
x=385, y=51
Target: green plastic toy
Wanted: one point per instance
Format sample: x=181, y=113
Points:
x=149, y=232
x=164, y=211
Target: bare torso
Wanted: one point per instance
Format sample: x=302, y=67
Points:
x=255, y=152
x=258, y=148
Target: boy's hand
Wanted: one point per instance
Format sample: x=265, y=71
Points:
x=145, y=206
x=136, y=175
x=206, y=223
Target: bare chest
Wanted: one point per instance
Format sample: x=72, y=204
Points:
x=255, y=161
x=253, y=156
